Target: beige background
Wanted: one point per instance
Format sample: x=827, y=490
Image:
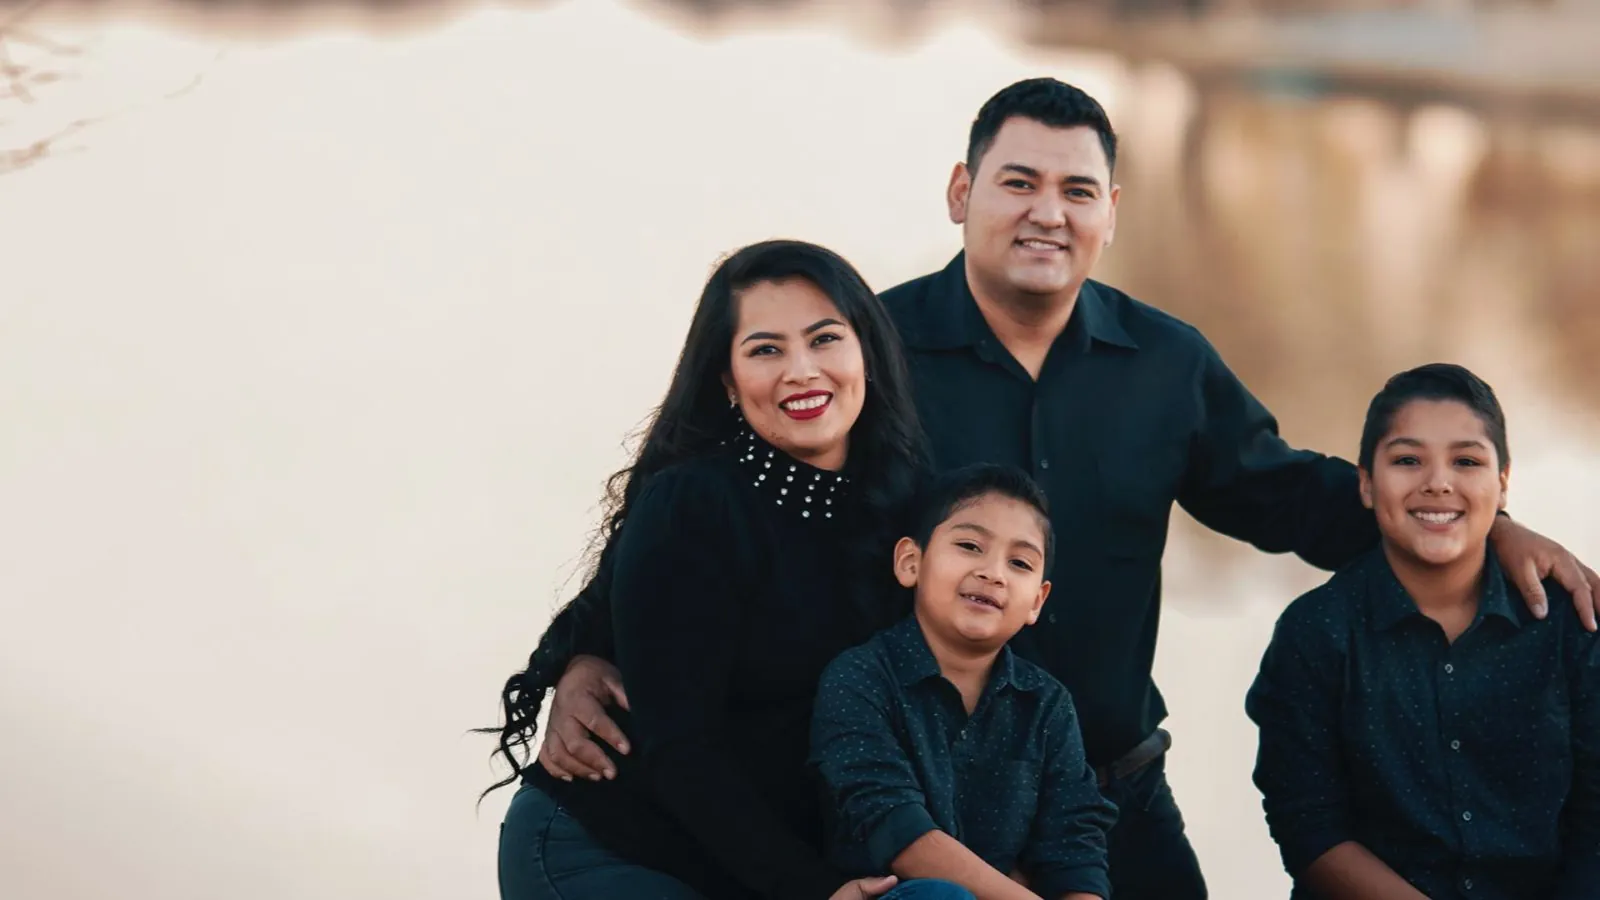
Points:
x=310, y=373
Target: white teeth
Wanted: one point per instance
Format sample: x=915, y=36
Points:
x=808, y=403
x=1437, y=518
x=1040, y=245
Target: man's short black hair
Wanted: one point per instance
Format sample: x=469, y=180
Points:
x=1046, y=101
x=1435, y=381
x=955, y=490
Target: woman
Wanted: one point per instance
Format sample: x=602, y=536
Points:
x=749, y=546
x=1422, y=735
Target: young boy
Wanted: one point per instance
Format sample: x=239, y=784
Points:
x=1422, y=735
x=945, y=755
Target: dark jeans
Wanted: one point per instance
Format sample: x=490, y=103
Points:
x=1150, y=855
x=546, y=855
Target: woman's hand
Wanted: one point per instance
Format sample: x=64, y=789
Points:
x=865, y=888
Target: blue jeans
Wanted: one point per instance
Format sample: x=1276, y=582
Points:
x=545, y=854
x=928, y=889
x=1150, y=855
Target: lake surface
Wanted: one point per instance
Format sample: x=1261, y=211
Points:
x=310, y=374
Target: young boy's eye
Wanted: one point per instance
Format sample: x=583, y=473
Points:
x=1023, y=564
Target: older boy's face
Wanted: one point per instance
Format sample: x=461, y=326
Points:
x=980, y=580
x=1436, y=483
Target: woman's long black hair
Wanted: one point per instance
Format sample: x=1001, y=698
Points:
x=888, y=454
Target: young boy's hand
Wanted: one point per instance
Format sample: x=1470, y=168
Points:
x=865, y=888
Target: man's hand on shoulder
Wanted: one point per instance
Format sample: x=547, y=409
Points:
x=1529, y=558
x=578, y=717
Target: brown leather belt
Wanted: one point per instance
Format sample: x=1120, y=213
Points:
x=1146, y=752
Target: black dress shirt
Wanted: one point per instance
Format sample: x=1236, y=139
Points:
x=1132, y=410
x=730, y=595
x=900, y=758
x=1471, y=768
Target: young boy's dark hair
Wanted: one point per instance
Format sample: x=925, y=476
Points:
x=1435, y=381
x=949, y=492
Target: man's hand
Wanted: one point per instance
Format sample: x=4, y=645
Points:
x=1530, y=558
x=578, y=717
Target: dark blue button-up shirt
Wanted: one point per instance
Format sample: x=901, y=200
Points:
x=900, y=757
x=1470, y=768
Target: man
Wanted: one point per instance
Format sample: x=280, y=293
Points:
x=1117, y=410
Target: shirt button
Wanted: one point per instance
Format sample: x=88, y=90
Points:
x=1050, y=617
x=1466, y=884
x=1449, y=668
x=1455, y=745
x=1466, y=816
x=1044, y=463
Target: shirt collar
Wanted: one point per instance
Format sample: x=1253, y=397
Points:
x=913, y=661
x=805, y=490
x=1390, y=604
x=951, y=318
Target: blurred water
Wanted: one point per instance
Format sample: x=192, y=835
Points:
x=311, y=373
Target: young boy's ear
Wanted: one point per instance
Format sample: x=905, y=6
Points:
x=1038, y=602
x=907, y=559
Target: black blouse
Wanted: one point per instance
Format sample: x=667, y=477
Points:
x=738, y=577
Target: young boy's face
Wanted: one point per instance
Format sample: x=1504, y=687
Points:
x=980, y=580
x=1436, y=482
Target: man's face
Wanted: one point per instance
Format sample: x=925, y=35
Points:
x=1037, y=212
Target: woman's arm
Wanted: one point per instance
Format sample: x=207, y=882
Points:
x=680, y=593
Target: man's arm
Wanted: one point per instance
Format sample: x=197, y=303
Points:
x=1580, y=878
x=1246, y=482
x=876, y=797
x=1066, y=851
x=1295, y=703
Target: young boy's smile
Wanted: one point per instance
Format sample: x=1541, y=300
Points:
x=980, y=579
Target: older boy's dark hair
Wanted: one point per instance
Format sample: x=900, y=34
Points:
x=1046, y=101
x=1435, y=381
x=952, y=491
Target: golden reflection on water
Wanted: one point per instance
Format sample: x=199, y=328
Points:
x=311, y=374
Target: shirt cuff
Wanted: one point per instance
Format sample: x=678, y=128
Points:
x=898, y=830
x=1300, y=850
x=1056, y=883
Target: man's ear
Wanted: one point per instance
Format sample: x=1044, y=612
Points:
x=907, y=560
x=955, y=196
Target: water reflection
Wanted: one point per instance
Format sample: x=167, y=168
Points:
x=313, y=372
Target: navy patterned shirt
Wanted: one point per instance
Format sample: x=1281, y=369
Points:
x=900, y=757
x=1472, y=768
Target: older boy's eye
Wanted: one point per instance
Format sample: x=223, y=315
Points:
x=1404, y=461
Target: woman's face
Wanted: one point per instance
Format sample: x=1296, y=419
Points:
x=1436, y=483
x=797, y=371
